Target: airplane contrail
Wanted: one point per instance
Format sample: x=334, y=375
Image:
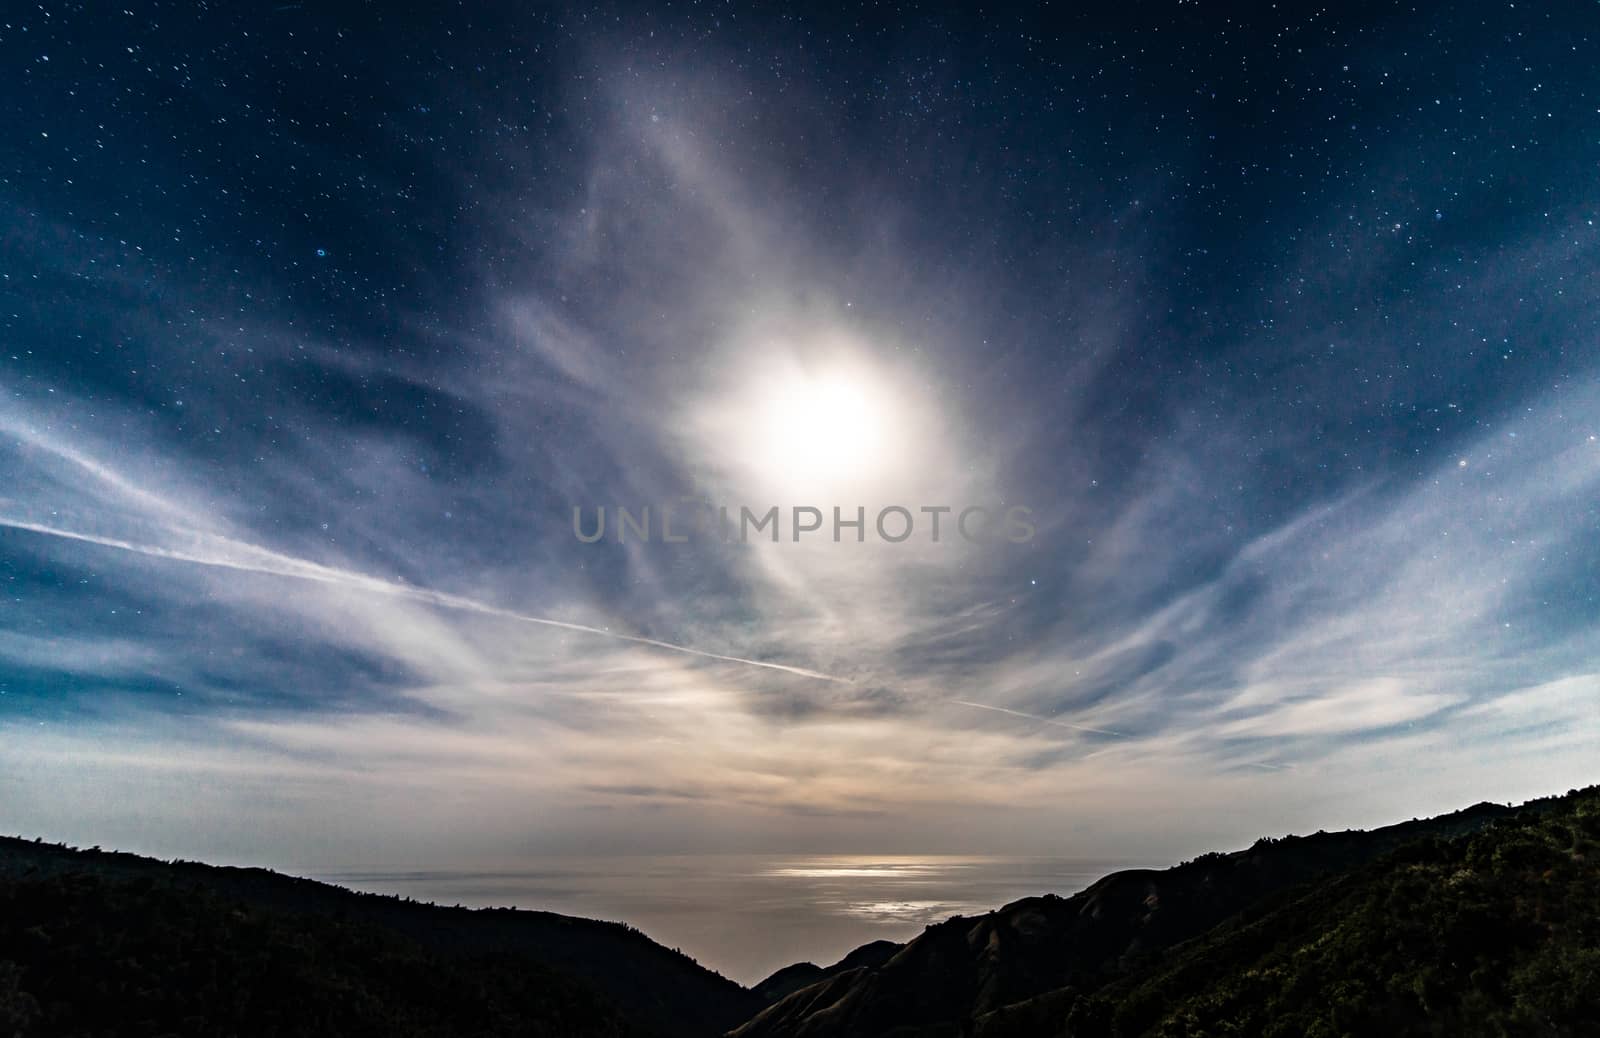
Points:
x=1036, y=717
x=253, y=558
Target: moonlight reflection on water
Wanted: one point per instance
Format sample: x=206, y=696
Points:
x=748, y=915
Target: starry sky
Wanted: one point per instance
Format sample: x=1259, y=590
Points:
x=317, y=322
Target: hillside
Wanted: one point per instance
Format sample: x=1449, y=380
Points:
x=1496, y=933
x=602, y=972
x=1258, y=941
x=86, y=955
x=803, y=974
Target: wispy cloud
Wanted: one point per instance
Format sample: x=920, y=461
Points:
x=320, y=578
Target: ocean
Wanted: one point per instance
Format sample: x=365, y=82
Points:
x=748, y=915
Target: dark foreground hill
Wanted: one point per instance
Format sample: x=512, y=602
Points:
x=104, y=943
x=84, y=955
x=1482, y=922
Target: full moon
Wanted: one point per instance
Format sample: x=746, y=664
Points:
x=825, y=427
x=822, y=422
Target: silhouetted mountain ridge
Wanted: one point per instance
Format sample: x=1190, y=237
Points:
x=1040, y=959
x=657, y=990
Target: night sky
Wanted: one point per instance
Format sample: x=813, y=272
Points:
x=318, y=321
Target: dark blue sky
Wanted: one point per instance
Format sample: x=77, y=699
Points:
x=319, y=321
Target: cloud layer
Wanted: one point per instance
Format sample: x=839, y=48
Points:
x=286, y=527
